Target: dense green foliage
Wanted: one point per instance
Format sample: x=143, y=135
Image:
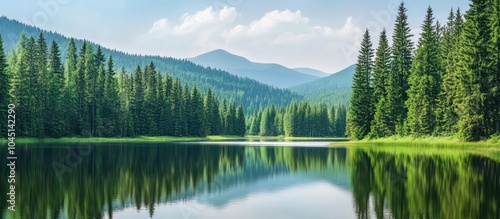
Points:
x=381, y=121
x=332, y=90
x=401, y=62
x=299, y=120
x=477, y=98
x=424, y=81
x=251, y=94
x=4, y=90
x=361, y=107
x=450, y=87
x=87, y=98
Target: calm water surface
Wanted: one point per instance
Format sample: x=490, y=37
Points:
x=248, y=180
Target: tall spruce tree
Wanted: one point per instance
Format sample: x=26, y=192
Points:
x=71, y=107
x=196, y=121
x=494, y=79
x=41, y=88
x=380, y=126
x=290, y=120
x=126, y=101
x=240, y=126
x=447, y=111
x=24, y=81
x=341, y=123
x=56, y=125
x=98, y=93
x=151, y=109
x=424, y=81
x=361, y=104
x=212, y=114
x=402, y=51
x=474, y=68
x=110, y=108
x=4, y=90
x=331, y=120
x=138, y=103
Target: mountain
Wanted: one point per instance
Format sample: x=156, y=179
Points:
x=334, y=89
x=312, y=72
x=251, y=93
x=272, y=74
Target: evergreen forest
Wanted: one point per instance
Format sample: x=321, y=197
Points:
x=447, y=84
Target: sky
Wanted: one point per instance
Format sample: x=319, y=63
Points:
x=319, y=34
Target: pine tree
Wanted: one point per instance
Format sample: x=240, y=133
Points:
x=98, y=94
x=361, y=106
x=381, y=72
x=150, y=99
x=223, y=111
x=331, y=121
x=4, y=90
x=402, y=50
x=186, y=113
x=24, y=85
x=447, y=111
x=138, y=103
x=341, y=121
x=212, y=114
x=177, y=108
x=168, y=117
x=473, y=69
x=255, y=125
x=70, y=93
x=230, y=117
x=494, y=79
x=125, y=93
x=110, y=108
x=267, y=127
x=196, y=122
x=290, y=122
x=41, y=88
x=240, y=128
x=322, y=120
x=163, y=107
x=56, y=125
x=424, y=81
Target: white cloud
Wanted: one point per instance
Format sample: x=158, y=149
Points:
x=199, y=21
x=159, y=26
x=286, y=37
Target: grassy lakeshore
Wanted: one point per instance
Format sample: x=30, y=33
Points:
x=138, y=139
x=433, y=142
x=427, y=146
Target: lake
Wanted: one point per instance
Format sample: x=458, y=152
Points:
x=249, y=180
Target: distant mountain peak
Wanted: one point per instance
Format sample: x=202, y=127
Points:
x=268, y=73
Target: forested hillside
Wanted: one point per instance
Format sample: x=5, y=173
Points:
x=85, y=97
x=448, y=86
x=332, y=90
x=250, y=93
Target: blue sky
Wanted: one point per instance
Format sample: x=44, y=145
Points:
x=319, y=34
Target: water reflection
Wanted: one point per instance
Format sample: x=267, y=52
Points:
x=217, y=181
x=406, y=185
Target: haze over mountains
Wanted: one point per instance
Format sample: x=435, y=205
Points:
x=268, y=73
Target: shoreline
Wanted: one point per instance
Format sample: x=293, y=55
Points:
x=428, y=142
x=159, y=139
x=433, y=142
